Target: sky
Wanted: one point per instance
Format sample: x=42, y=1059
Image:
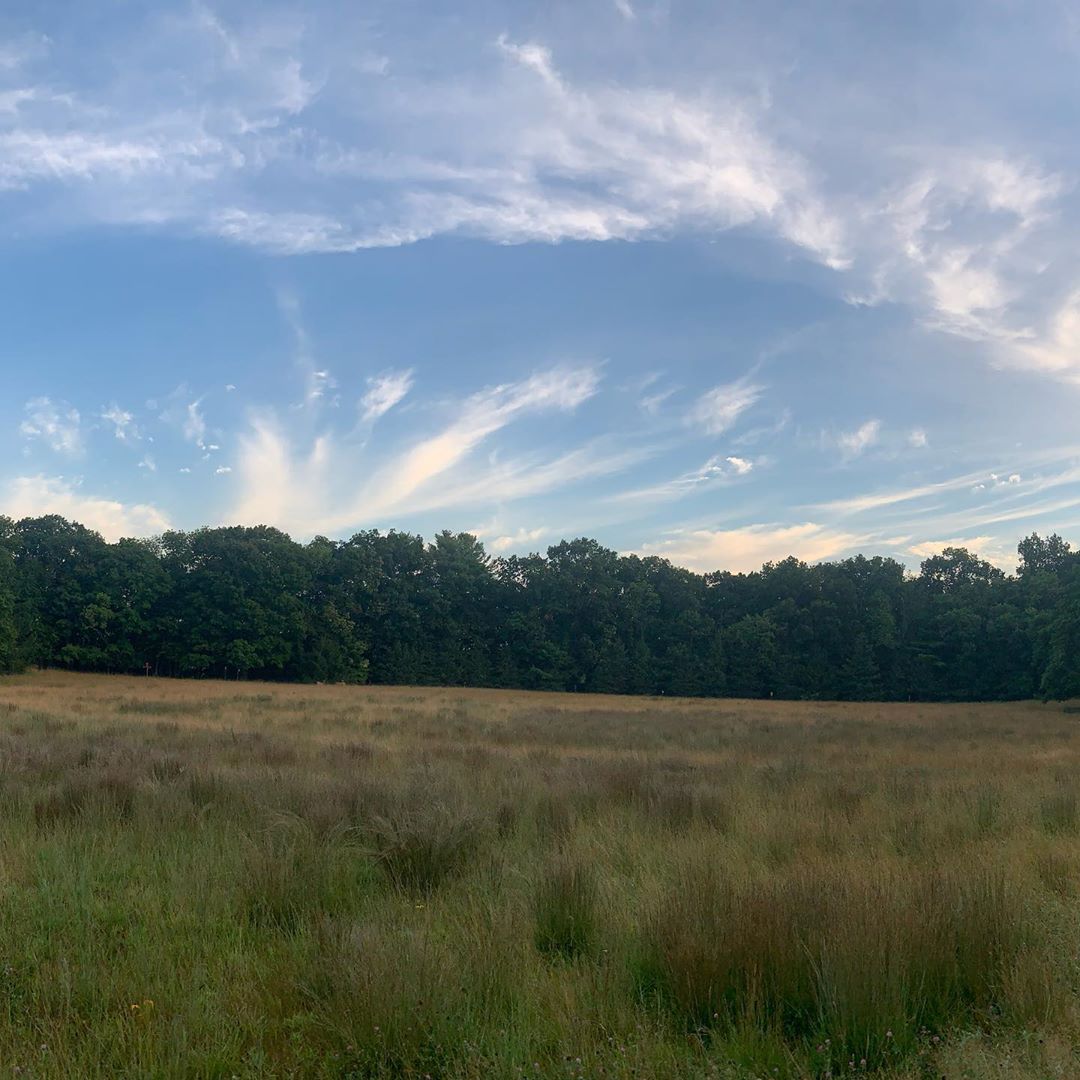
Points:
x=719, y=282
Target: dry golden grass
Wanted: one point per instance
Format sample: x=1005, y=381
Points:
x=235, y=879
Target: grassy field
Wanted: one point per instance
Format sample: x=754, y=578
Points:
x=221, y=879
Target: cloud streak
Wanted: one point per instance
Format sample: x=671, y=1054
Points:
x=720, y=408
x=748, y=547
x=305, y=490
x=383, y=393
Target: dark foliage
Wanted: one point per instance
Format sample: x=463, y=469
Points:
x=252, y=603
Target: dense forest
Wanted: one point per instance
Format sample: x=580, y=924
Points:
x=252, y=603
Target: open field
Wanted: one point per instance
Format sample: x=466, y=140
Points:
x=230, y=879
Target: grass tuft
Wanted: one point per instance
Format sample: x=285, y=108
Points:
x=565, y=909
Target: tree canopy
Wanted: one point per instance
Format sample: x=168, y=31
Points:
x=391, y=608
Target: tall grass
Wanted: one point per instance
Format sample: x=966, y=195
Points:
x=202, y=879
x=566, y=916
x=846, y=962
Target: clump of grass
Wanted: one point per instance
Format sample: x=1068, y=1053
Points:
x=506, y=818
x=281, y=887
x=140, y=707
x=565, y=909
x=418, y=848
x=555, y=818
x=167, y=769
x=108, y=797
x=207, y=788
x=1056, y=871
x=847, y=965
x=986, y=810
x=404, y=1002
x=681, y=806
x=1059, y=812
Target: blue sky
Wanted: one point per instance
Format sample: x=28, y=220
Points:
x=720, y=282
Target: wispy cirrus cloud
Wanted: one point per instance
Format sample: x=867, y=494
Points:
x=264, y=132
x=194, y=424
x=545, y=157
x=303, y=489
x=717, y=471
x=719, y=409
x=384, y=392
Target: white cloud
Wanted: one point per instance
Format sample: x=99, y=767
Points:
x=318, y=382
x=194, y=424
x=314, y=490
x=989, y=548
x=854, y=443
x=561, y=389
x=523, y=538
x=123, y=423
x=512, y=153
x=148, y=464
x=963, y=241
x=755, y=435
x=1056, y=350
x=503, y=143
x=222, y=470
x=917, y=438
x=384, y=392
x=529, y=476
x=719, y=408
x=747, y=548
x=54, y=423
x=718, y=470
x=34, y=496
x=651, y=403
x=535, y=57
x=17, y=52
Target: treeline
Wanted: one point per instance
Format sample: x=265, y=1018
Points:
x=252, y=603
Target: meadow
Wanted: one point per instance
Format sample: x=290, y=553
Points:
x=222, y=879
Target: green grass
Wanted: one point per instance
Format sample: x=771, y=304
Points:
x=216, y=880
